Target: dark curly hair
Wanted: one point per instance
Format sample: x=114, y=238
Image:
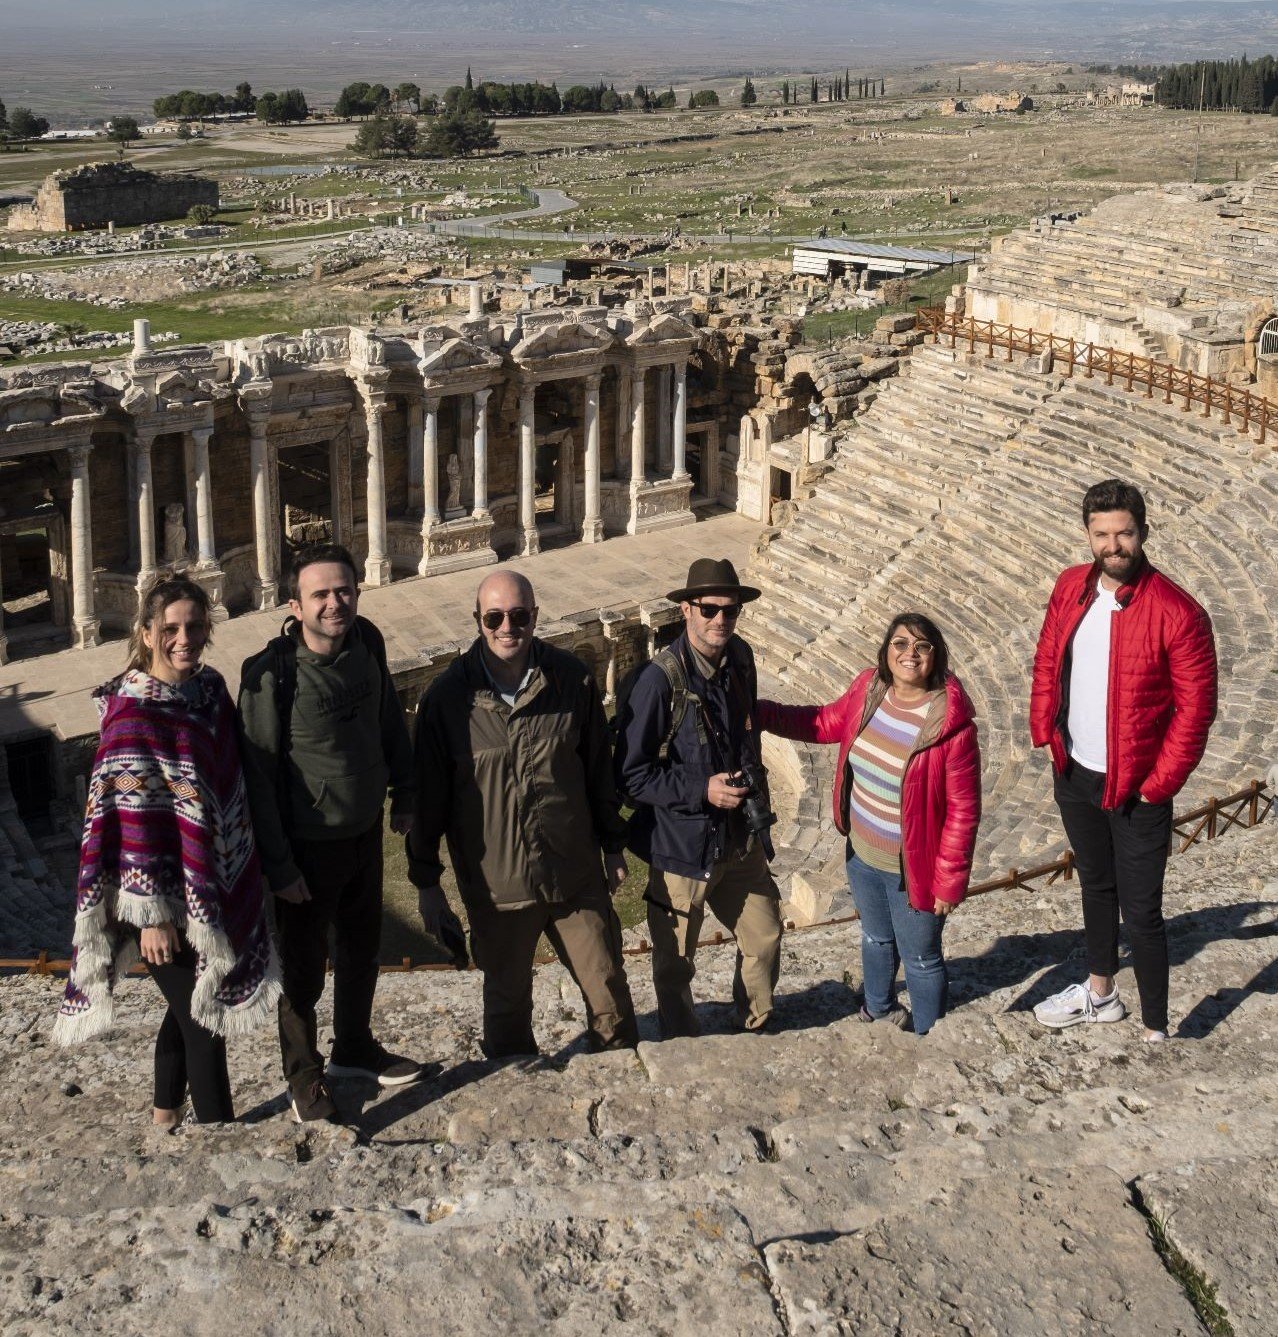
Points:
x=917, y=624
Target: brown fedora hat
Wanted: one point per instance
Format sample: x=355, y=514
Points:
x=706, y=576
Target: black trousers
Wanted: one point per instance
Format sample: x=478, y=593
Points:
x=186, y=1054
x=345, y=881
x=1121, y=856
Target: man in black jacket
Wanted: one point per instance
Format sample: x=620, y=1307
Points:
x=685, y=734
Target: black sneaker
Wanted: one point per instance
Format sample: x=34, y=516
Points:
x=313, y=1103
x=378, y=1065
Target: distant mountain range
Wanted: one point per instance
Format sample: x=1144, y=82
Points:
x=700, y=32
x=140, y=48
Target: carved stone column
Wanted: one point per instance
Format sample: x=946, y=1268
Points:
x=592, y=525
x=416, y=413
x=377, y=567
x=530, y=543
x=206, y=550
x=144, y=500
x=680, y=469
x=637, y=435
x=664, y=423
x=206, y=572
x=638, y=429
x=430, y=478
x=263, y=466
x=85, y=628
x=430, y=462
x=481, y=452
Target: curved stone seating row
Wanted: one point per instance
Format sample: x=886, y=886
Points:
x=979, y=540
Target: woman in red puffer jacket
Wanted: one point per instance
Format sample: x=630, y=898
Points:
x=907, y=795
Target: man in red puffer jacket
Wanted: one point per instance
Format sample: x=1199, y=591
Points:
x=1124, y=694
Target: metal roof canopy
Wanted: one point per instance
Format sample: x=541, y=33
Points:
x=851, y=249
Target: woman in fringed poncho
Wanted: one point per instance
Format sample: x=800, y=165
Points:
x=168, y=867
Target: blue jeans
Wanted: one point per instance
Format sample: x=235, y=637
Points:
x=894, y=933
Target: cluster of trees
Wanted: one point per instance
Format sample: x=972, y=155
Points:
x=364, y=99
x=189, y=105
x=836, y=90
x=20, y=124
x=1141, y=74
x=273, y=108
x=1224, y=85
x=455, y=134
x=282, y=108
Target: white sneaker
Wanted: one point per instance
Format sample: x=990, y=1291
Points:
x=1077, y=1004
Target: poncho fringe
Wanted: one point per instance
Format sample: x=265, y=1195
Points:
x=168, y=839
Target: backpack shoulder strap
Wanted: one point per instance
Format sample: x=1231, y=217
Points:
x=283, y=663
x=670, y=664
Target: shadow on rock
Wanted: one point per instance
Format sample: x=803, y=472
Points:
x=1011, y=959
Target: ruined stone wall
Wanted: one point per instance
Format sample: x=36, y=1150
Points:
x=100, y=193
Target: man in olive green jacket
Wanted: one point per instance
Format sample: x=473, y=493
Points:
x=323, y=736
x=513, y=769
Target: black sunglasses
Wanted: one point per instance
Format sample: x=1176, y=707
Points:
x=712, y=611
x=519, y=617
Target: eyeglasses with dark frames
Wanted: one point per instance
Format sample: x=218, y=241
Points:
x=901, y=645
x=712, y=611
x=494, y=617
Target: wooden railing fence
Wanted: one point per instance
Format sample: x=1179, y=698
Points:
x=1238, y=406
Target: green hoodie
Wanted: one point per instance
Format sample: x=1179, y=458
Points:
x=349, y=742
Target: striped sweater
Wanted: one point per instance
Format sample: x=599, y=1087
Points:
x=877, y=760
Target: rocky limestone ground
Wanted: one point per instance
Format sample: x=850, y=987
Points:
x=830, y=1177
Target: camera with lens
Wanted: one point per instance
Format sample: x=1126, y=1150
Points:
x=758, y=815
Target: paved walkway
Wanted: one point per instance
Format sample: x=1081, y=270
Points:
x=52, y=691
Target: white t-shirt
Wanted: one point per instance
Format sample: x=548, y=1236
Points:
x=1089, y=683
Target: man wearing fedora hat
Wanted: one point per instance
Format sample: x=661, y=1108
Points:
x=685, y=735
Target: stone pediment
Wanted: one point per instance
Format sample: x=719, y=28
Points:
x=181, y=389
x=562, y=339
x=456, y=355
x=662, y=328
x=44, y=405
x=19, y=408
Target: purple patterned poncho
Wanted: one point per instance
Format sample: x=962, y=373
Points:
x=168, y=839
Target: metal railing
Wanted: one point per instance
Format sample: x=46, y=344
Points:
x=1237, y=406
x=1245, y=809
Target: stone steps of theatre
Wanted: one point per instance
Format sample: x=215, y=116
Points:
x=971, y=410
x=812, y=589
x=1001, y=386
x=815, y=583
x=1124, y=278
x=780, y=632
x=879, y=495
x=952, y=439
x=1098, y=458
x=852, y=506
x=823, y=549
x=1111, y=448
x=921, y=456
x=1058, y=276
x=1210, y=438
x=1030, y=287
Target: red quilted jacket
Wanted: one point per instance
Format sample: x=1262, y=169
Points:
x=1162, y=682
x=941, y=793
